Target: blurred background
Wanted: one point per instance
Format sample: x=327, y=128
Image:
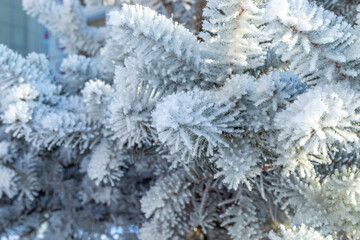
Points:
x=24, y=34
x=20, y=32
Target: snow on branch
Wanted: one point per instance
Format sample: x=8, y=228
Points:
x=301, y=232
x=151, y=37
x=232, y=31
x=314, y=122
x=197, y=123
x=315, y=42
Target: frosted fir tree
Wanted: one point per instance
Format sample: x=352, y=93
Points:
x=218, y=119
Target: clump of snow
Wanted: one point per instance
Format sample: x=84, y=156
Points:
x=17, y=112
x=277, y=8
x=7, y=184
x=174, y=111
x=97, y=94
x=24, y=92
